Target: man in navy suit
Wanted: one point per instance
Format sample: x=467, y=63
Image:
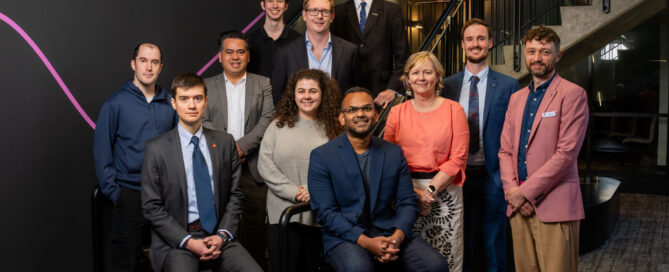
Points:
x=484, y=94
x=361, y=192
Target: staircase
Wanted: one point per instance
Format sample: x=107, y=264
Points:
x=586, y=29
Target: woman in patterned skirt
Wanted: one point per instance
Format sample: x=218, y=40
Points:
x=434, y=137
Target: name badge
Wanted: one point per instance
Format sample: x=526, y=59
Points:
x=548, y=114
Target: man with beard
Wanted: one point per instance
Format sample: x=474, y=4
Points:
x=543, y=133
x=484, y=94
x=361, y=192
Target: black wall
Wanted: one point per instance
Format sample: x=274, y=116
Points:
x=46, y=162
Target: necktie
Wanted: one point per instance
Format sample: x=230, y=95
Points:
x=473, y=115
x=363, y=16
x=205, y=196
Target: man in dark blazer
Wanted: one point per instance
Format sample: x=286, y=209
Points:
x=190, y=190
x=484, y=94
x=378, y=31
x=317, y=49
x=361, y=192
x=241, y=104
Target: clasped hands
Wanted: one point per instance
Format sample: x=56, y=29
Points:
x=206, y=249
x=384, y=248
x=518, y=202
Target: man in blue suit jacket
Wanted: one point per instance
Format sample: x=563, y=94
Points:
x=484, y=94
x=361, y=192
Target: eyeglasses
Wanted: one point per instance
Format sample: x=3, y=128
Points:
x=314, y=12
x=354, y=110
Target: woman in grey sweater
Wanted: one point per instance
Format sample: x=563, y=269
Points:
x=305, y=118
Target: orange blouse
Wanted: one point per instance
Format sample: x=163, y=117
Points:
x=431, y=141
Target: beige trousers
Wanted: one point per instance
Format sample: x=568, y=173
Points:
x=547, y=247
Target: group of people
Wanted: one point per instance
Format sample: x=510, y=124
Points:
x=210, y=164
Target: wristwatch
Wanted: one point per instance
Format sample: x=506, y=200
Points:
x=431, y=189
x=223, y=236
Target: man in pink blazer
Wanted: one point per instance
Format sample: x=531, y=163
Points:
x=542, y=135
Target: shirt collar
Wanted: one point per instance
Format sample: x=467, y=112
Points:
x=357, y=3
x=544, y=85
x=483, y=74
x=308, y=42
x=238, y=82
x=186, y=136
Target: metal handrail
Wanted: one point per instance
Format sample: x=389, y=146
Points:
x=435, y=30
x=448, y=23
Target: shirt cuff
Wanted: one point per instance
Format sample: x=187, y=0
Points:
x=230, y=236
x=183, y=241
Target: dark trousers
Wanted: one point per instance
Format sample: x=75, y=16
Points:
x=128, y=225
x=254, y=211
x=415, y=255
x=233, y=258
x=484, y=204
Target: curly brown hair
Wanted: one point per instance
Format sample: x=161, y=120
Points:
x=287, y=112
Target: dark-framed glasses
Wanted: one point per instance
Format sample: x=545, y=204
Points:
x=314, y=12
x=354, y=110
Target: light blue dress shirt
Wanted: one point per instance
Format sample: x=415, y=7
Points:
x=187, y=152
x=325, y=64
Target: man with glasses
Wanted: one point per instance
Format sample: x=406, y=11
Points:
x=318, y=49
x=361, y=192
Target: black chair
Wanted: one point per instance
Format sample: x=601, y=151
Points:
x=309, y=237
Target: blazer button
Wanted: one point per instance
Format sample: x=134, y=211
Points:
x=356, y=214
x=362, y=45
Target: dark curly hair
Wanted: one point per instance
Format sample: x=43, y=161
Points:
x=287, y=112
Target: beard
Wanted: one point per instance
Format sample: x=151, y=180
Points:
x=547, y=69
x=351, y=130
x=478, y=60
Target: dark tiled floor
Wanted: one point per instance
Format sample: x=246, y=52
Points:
x=640, y=240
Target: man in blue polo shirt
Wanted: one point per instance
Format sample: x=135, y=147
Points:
x=137, y=112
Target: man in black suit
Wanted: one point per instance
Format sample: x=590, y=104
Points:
x=378, y=30
x=190, y=190
x=317, y=49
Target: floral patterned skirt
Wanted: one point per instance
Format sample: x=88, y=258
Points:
x=442, y=227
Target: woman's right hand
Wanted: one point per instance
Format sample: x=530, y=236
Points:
x=425, y=200
x=302, y=194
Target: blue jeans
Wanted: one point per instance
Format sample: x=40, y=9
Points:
x=480, y=191
x=415, y=255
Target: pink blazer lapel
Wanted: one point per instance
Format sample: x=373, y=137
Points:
x=548, y=98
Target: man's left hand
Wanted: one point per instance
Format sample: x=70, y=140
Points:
x=384, y=98
x=240, y=153
x=214, y=242
x=515, y=198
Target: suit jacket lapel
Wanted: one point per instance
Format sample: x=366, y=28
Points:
x=248, y=100
x=376, y=157
x=489, y=96
x=372, y=17
x=336, y=55
x=301, y=50
x=223, y=99
x=174, y=152
x=215, y=161
x=548, y=98
x=348, y=158
x=352, y=18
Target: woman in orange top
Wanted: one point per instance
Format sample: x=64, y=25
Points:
x=434, y=137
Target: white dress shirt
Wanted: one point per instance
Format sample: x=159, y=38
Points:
x=236, y=97
x=478, y=158
x=358, y=6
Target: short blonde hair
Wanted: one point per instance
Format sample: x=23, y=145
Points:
x=417, y=57
x=304, y=4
